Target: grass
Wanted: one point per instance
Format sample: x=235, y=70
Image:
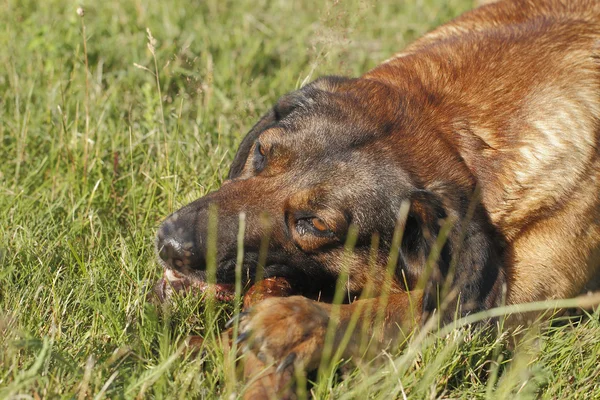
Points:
x=101, y=137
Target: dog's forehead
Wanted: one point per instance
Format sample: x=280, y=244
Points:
x=324, y=129
x=330, y=139
x=339, y=167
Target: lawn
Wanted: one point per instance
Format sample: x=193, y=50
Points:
x=111, y=120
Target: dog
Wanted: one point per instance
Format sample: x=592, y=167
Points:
x=465, y=172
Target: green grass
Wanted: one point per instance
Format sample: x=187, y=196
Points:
x=93, y=158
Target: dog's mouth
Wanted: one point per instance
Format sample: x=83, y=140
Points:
x=174, y=282
x=186, y=279
x=193, y=282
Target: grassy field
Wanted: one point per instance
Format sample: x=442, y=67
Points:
x=102, y=135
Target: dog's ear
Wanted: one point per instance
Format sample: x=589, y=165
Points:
x=241, y=155
x=420, y=266
x=284, y=107
x=453, y=254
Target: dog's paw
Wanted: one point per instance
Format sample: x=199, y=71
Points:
x=286, y=331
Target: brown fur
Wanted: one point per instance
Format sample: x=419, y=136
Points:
x=490, y=122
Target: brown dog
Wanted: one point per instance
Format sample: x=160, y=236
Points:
x=488, y=127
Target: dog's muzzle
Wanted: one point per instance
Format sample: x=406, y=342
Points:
x=176, y=244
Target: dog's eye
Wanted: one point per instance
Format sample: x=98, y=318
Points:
x=261, y=149
x=319, y=225
x=313, y=225
x=260, y=157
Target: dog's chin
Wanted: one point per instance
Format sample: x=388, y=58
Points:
x=191, y=282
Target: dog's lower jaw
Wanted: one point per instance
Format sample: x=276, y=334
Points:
x=173, y=283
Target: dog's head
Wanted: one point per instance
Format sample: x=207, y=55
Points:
x=336, y=156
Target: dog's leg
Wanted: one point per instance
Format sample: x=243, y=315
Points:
x=298, y=332
x=265, y=382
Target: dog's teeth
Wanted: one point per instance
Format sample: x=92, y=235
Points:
x=171, y=276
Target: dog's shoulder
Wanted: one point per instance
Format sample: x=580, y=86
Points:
x=515, y=86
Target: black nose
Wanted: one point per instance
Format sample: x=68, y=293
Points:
x=176, y=244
